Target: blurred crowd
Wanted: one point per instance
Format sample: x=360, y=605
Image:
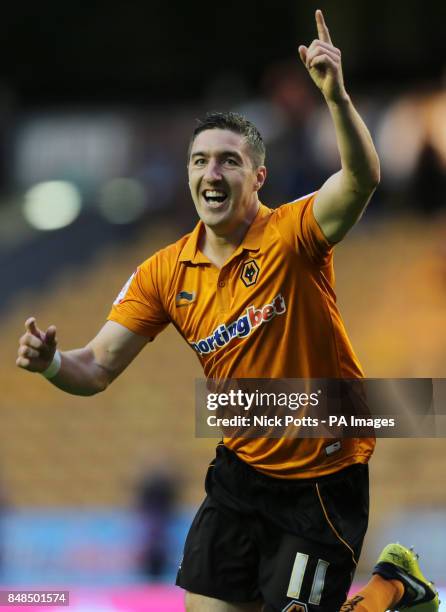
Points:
x=126, y=163
x=100, y=175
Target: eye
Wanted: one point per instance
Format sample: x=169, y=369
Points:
x=199, y=161
x=232, y=161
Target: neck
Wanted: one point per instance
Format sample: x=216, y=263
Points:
x=219, y=246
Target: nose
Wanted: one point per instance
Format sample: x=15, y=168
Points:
x=212, y=172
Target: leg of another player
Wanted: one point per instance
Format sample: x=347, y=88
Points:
x=397, y=583
x=377, y=596
x=200, y=603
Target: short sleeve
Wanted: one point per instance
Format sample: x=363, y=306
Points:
x=139, y=305
x=297, y=225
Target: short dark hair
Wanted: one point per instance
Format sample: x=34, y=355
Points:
x=235, y=123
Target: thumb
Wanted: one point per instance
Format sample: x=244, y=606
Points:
x=50, y=336
x=303, y=53
x=31, y=327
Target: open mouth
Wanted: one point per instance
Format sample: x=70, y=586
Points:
x=215, y=196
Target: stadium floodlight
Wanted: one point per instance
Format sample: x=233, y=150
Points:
x=52, y=205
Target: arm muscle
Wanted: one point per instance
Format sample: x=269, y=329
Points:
x=91, y=369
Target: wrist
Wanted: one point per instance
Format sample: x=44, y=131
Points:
x=54, y=366
x=338, y=100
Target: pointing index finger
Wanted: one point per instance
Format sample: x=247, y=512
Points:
x=322, y=30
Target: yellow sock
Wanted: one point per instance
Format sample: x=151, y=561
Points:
x=378, y=595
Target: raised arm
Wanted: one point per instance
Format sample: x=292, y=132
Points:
x=83, y=371
x=344, y=196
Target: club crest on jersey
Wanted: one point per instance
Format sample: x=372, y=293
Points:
x=184, y=298
x=250, y=273
x=241, y=328
x=295, y=606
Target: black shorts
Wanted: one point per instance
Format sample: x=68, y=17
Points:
x=283, y=542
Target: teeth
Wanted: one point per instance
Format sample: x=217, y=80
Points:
x=214, y=194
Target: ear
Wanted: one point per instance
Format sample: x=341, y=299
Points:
x=260, y=177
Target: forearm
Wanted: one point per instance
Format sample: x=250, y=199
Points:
x=359, y=159
x=344, y=196
x=80, y=374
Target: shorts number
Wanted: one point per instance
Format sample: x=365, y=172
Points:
x=297, y=577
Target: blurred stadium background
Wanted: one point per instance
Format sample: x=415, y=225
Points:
x=97, y=103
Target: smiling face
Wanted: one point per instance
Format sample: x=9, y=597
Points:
x=222, y=180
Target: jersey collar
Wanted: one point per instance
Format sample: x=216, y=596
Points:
x=251, y=242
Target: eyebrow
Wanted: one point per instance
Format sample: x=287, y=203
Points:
x=219, y=153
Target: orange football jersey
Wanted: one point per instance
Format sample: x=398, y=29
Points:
x=284, y=267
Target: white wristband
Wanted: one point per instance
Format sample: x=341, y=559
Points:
x=54, y=366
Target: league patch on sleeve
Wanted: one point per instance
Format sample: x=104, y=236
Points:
x=123, y=291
